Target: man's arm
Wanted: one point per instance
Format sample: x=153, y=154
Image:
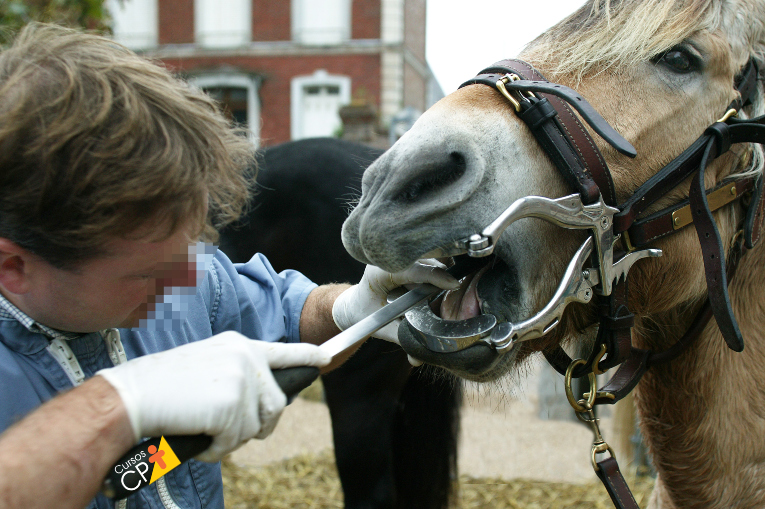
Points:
x=331, y=305
x=58, y=455
x=316, y=323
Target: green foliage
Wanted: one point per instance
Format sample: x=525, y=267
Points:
x=89, y=14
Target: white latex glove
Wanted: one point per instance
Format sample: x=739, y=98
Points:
x=221, y=386
x=371, y=293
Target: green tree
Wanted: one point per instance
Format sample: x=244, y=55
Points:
x=90, y=14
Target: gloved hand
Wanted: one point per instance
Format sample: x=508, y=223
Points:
x=371, y=293
x=220, y=386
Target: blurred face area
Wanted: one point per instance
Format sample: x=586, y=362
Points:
x=119, y=289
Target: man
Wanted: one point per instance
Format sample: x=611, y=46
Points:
x=110, y=173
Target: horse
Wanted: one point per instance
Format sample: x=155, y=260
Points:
x=382, y=410
x=673, y=86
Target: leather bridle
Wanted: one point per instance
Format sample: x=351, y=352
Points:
x=548, y=110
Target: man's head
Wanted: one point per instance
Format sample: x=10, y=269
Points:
x=96, y=142
x=98, y=145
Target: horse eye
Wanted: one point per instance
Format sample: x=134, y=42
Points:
x=678, y=60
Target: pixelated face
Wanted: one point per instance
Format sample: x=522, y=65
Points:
x=137, y=283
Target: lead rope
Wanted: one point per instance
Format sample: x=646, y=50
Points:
x=117, y=355
x=606, y=469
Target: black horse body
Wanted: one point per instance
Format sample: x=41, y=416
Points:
x=395, y=429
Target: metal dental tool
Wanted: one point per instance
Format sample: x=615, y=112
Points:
x=577, y=285
x=450, y=336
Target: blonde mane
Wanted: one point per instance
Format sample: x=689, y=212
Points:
x=606, y=35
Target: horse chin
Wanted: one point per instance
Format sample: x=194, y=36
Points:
x=480, y=362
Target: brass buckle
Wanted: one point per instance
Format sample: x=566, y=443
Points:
x=730, y=113
x=627, y=242
x=504, y=80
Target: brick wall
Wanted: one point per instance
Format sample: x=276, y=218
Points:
x=176, y=21
x=365, y=19
x=414, y=27
x=277, y=73
x=271, y=20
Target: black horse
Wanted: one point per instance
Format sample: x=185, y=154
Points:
x=395, y=428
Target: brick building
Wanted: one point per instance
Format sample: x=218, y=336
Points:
x=285, y=67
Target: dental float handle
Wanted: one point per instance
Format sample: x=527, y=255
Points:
x=295, y=379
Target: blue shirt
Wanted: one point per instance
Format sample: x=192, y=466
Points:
x=250, y=298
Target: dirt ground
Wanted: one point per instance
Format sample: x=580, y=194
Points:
x=503, y=436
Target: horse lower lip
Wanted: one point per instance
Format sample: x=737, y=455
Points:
x=476, y=362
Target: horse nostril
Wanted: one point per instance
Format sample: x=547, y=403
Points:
x=434, y=178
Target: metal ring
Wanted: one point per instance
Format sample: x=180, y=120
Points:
x=570, y=393
x=598, y=449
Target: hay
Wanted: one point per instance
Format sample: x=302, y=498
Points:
x=303, y=482
x=485, y=493
x=311, y=482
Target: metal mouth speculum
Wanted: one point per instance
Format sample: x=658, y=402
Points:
x=441, y=335
x=578, y=284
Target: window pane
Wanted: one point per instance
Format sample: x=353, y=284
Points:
x=222, y=24
x=233, y=102
x=135, y=22
x=322, y=21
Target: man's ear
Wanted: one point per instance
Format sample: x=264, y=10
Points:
x=13, y=267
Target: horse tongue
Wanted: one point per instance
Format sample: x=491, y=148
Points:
x=462, y=303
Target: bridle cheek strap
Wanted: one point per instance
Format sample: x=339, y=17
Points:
x=712, y=247
x=545, y=109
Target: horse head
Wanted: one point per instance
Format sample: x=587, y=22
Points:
x=659, y=72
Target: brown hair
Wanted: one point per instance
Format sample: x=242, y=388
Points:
x=97, y=142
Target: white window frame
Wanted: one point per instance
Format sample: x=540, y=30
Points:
x=236, y=32
x=236, y=80
x=332, y=36
x=126, y=29
x=297, y=91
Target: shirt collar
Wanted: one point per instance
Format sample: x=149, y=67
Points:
x=8, y=310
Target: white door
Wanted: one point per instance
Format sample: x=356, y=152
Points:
x=320, y=107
